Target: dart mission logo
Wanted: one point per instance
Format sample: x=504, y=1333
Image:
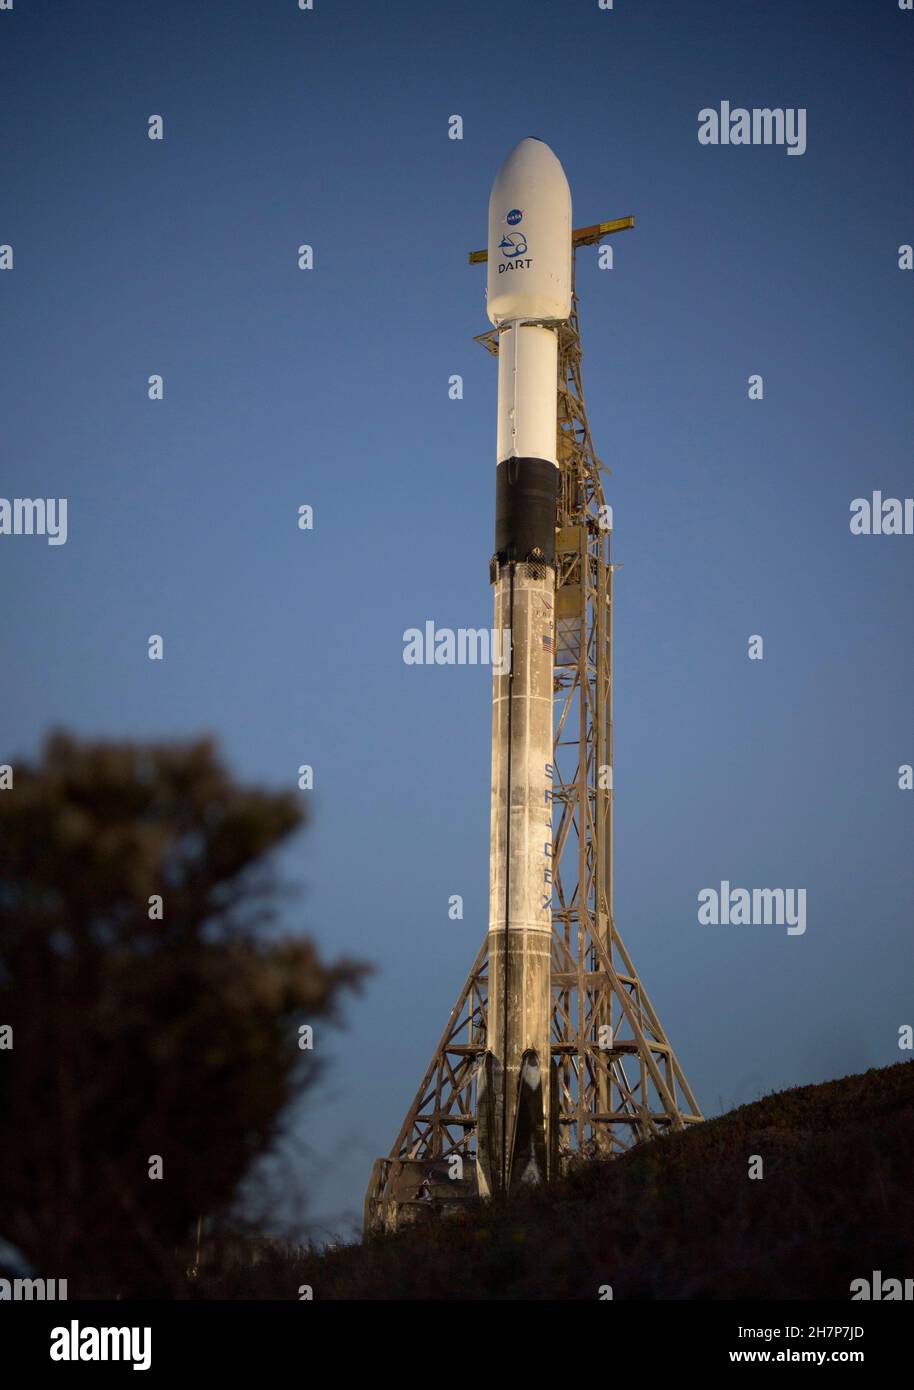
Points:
x=513, y=247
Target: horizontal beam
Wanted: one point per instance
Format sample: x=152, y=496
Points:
x=584, y=236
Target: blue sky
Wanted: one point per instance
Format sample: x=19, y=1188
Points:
x=329, y=387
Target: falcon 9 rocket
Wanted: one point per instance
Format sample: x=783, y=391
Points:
x=528, y=296
x=528, y=1074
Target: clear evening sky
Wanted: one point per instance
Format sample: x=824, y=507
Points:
x=329, y=387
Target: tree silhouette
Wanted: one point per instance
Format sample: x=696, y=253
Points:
x=154, y=1007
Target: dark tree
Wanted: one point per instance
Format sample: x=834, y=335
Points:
x=134, y=1035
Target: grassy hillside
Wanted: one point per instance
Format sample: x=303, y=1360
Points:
x=676, y=1219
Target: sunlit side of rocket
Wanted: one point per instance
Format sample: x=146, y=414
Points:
x=528, y=296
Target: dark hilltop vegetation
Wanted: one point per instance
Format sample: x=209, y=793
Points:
x=679, y=1218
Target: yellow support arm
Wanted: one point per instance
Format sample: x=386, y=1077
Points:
x=584, y=236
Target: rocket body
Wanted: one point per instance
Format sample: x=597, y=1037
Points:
x=528, y=295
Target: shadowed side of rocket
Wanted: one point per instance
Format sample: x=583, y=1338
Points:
x=528, y=296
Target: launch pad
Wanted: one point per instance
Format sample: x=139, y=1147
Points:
x=608, y=1077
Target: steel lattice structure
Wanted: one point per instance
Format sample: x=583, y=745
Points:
x=615, y=1078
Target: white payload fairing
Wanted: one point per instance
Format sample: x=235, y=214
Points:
x=528, y=296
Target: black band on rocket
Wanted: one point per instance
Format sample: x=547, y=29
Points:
x=525, y=497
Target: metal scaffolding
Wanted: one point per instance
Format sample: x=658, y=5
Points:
x=615, y=1078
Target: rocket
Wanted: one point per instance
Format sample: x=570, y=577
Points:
x=528, y=1053
x=528, y=296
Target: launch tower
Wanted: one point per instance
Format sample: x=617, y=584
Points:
x=553, y=1052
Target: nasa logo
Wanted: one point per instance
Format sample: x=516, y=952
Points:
x=513, y=217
